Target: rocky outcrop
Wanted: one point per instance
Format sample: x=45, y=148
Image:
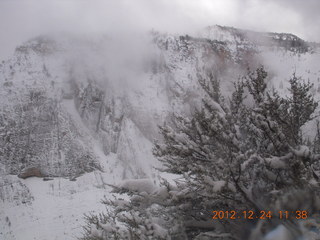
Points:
x=31, y=172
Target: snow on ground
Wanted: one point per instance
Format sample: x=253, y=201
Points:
x=58, y=209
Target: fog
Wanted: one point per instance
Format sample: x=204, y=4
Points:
x=21, y=20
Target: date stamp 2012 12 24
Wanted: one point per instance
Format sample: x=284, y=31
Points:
x=264, y=215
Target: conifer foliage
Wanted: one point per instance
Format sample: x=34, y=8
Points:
x=241, y=154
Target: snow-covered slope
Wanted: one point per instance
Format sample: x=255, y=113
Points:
x=87, y=109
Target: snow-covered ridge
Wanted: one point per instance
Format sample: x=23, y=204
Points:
x=239, y=36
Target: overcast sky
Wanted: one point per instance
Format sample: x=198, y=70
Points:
x=23, y=19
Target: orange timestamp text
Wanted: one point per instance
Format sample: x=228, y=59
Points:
x=264, y=215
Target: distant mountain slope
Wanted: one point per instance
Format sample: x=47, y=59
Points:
x=142, y=79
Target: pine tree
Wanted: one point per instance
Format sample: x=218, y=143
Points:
x=238, y=156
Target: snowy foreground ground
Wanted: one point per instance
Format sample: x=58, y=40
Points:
x=57, y=209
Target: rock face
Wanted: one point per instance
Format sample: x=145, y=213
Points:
x=62, y=98
x=31, y=172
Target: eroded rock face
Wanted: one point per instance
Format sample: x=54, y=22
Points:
x=37, y=130
x=57, y=95
x=31, y=172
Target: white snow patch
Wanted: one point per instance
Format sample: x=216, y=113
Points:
x=276, y=162
x=58, y=209
x=279, y=233
x=140, y=185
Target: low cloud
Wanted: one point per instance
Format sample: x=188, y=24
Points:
x=21, y=20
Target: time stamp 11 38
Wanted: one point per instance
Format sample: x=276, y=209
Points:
x=264, y=215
